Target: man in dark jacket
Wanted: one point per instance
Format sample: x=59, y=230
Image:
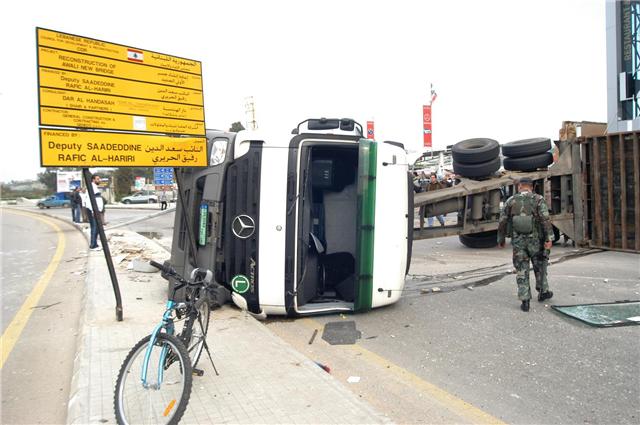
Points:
x=434, y=184
x=76, y=205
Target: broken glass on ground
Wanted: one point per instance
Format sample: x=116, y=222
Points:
x=620, y=313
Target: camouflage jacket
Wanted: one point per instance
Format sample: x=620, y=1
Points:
x=527, y=203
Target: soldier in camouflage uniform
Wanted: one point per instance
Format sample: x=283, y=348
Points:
x=525, y=217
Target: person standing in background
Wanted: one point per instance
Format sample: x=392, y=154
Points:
x=76, y=205
x=163, y=200
x=434, y=184
x=94, y=216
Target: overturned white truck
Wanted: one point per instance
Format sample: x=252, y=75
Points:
x=317, y=222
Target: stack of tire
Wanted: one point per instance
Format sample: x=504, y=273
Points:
x=527, y=154
x=476, y=158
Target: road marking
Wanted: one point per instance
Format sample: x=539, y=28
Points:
x=15, y=328
x=455, y=404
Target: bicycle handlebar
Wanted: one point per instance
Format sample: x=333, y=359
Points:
x=167, y=270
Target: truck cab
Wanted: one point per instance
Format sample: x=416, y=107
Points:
x=317, y=222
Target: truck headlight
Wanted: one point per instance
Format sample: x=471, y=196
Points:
x=218, y=152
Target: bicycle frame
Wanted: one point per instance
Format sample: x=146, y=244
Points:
x=166, y=323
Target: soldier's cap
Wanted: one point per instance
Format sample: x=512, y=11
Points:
x=525, y=180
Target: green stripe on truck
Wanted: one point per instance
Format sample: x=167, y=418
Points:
x=367, y=162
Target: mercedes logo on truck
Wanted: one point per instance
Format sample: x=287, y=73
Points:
x=243, y=226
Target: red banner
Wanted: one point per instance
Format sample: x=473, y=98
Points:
x=426, y=125
x=370, y=130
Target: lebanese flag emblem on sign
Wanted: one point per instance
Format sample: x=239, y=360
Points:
x=135, y=55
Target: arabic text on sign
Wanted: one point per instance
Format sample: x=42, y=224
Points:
x=68, y=148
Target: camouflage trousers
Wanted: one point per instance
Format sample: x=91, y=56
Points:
x=529, y=249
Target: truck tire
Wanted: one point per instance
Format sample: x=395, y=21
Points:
x=526, y=147
x=528, y=163
x=481, y=169
x=475, y=151
x=480, y=240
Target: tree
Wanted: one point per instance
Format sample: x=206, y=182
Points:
x=236, y=126
x=49, y=178
x=124, y=178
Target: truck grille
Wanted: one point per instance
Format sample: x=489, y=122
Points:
x=242, y=213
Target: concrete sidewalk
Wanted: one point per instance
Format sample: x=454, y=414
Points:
x=262, y=379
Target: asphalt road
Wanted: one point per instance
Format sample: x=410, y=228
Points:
x=457, y=348
x=469, y=340
x=148, y=220
x=43, y=268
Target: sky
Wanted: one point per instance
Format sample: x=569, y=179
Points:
x=505, y=70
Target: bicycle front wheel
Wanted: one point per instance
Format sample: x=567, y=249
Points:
x=163, y=397
x=195, y=328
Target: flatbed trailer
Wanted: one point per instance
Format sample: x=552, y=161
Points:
x=592, y=190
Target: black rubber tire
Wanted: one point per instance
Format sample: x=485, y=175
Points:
x=126, y=202
x=526, y=147
x=153, y=201
x=194, y=348
x=139, y=349
x=41, y=206
x=528, y=163
x=475, y=151
x=482, y=169
x=480, y=240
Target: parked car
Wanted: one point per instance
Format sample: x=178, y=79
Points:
x=142, y=197
x=59, y=199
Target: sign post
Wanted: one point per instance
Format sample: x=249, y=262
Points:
x=103, y=104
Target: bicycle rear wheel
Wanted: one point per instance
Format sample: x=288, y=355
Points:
x=195, y=328
x=161, y=402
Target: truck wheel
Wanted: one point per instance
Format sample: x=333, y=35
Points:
x=528, y=163
x=480, y=240
x=475, y=151
x=526, y=147
x=481, y=169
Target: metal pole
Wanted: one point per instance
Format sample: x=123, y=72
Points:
x=104, y=243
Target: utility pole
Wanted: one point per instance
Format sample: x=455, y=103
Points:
x=250, y=112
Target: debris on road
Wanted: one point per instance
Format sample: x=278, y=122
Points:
x=323, y=367
x=313, y=337
x=341, y=333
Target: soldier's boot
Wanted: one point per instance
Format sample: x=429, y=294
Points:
x=545, y=296
x=525, y=305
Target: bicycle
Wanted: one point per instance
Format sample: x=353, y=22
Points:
x=145, y=393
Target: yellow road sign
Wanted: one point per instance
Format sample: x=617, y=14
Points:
x=72, y=148
x=75, y=81
x=116, y=104
x=86, y=83
x=108, y=121
x=91, y=46
x=78, y=62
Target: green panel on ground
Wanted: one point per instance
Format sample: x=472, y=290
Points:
x=604, y=315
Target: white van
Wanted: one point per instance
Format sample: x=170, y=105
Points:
x=314, y=223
